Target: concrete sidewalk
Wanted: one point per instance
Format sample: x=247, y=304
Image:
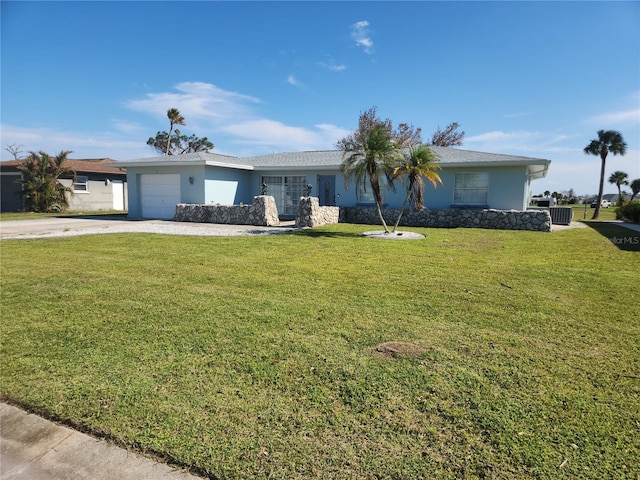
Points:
x=32, y=448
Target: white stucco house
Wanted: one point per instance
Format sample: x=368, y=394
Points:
x=470, y=179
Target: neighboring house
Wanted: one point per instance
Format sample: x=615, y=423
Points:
x=470, y=179
x=99, y=185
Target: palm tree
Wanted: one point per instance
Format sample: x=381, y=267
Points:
x=619, y=178
x=174, y=119
x=608, y=141
x=417, y=164
x=369, y=154
x=41, y=173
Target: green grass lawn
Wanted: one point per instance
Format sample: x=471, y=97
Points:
x=7, y=216
x=256, y=357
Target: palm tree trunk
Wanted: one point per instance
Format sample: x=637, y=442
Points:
x=404, y=204
x=377, y=196
x=601, y=189
x=169, y=139
x=384, y=224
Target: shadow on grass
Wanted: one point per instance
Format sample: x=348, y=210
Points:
x=623, y=238
x=313, y=233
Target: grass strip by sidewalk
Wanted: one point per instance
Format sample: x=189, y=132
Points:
x=254, y=357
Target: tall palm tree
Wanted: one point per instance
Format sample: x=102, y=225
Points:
x=369, y=155
x=174, y=119
x=619, y=178
x=607, y=141
x=41, y=173
x=417, y=164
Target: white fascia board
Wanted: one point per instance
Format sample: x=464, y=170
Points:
x=237, y=166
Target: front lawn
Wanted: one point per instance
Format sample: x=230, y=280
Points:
x=515, y=356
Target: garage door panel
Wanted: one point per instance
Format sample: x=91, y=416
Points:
x=159, y=195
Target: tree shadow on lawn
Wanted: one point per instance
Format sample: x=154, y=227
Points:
x=313, y=233
x=623, y=238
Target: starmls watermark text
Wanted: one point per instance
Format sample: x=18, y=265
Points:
x=632, y=240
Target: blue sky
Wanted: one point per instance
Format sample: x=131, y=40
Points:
x=537, y=79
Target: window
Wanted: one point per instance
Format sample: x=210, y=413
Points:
x=81, y=184
x=471, y=189
x=365, y=194
x=286, y=191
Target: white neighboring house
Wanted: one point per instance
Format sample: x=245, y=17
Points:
x=99, y=185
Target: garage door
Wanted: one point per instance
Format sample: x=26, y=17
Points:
x=159, y=195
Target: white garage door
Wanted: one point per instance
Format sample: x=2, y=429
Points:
x=159, y=195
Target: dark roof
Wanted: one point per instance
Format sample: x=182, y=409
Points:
x=87, y=165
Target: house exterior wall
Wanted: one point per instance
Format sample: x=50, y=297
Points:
x=508, y=186
x=97, y=196
x=226, y=186
x=189, y=192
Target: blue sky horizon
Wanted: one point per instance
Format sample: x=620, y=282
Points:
x=535, y=79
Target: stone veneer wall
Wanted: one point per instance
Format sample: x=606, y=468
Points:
x=534, y=220
x=262, y=212
x=311, y=214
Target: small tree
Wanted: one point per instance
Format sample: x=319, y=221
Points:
x=619, y=178
x=418, y=163
x=607, y=141
x=179, y=143
x=447, y=137
x=14, y=150
x=371, y=152
x=41, y=173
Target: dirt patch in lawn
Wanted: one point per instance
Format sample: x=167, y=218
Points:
x=399, y=350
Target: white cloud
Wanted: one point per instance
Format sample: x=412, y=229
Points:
x=332, y=66
x=360, y=34
x=229, y=119
x=620, y=118
x=83, y=144
x=273, y=134
x=195, y=100
x=291, y=80
x=536, y=144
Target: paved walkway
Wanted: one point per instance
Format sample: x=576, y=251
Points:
x=32, y=448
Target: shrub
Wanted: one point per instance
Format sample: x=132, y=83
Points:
x=629, y=212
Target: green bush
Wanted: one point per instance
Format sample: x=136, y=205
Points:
x=629, y=212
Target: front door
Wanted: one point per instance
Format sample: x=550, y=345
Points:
x=327, y=190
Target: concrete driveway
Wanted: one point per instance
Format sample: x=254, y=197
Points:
x=71, y=226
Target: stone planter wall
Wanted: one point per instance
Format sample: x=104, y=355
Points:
x=534, y=220
x=262, y=212
x=311, y=214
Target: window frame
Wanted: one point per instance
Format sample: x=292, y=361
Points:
x=463, y=194
x=364, y=195
x=289, y=189
x=77, y=184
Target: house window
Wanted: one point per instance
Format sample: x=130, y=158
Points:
x=81, y=184
x=471, y=189
x=365, y=194
x=286, y=191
